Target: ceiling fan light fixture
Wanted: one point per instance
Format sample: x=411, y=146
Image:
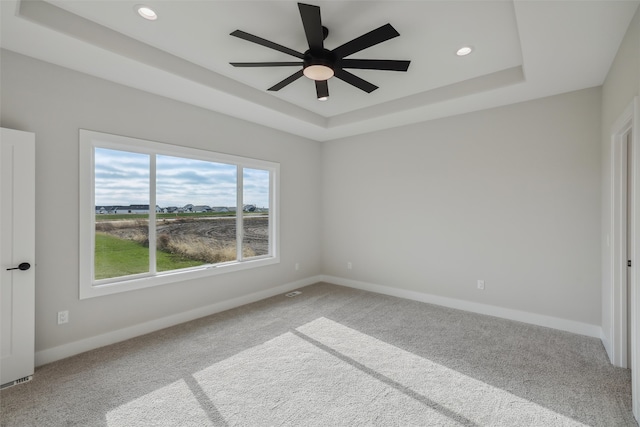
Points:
x=318, y=72
x=146, y=12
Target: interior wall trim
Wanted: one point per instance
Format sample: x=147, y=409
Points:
x=566, y=325
x=53, y=354
x=63, y=351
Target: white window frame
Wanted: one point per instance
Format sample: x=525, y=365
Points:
x=89, y=287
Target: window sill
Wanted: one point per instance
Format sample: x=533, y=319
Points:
x=176, y=276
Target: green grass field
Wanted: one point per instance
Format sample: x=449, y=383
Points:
x=119, y=257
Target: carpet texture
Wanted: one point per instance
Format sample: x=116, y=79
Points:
x=332, y=356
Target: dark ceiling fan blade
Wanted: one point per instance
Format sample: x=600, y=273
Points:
x=265, y=64
x=292, y=78
x=355, y=81
x=266, y=43
x=369, y=39
x=312, y=24
x=375, y=64
x=322, y=89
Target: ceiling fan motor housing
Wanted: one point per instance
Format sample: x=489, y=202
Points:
x=323, y=58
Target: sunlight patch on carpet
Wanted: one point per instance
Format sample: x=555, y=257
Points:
x=172, y=405
x=324, y=373
x=289, y=381
x=474, y=400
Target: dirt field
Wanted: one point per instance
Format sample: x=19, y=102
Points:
x=213, y=232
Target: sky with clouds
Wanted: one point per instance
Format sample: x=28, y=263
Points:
x=122, y=178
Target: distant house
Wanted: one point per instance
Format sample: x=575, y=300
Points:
x=249, y=208
x=121, y=209
x=201, y=208
x=187, y=208
x=136, y=209
x=101, y=210
x=219, y=209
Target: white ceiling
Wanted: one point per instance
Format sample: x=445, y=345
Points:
x=523, y=50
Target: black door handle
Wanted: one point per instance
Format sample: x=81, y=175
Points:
x=23, y=266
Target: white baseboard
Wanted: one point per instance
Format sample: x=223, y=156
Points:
x=607, y=347
x=71, y=349
x=594, y=331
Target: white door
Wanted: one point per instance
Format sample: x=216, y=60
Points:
x=17, y=253
x=630, y=256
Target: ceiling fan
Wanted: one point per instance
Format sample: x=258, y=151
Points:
x=320, y=64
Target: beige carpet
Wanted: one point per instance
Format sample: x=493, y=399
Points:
x=332, y=356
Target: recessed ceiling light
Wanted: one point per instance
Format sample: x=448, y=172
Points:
x=146, y=12
x=464, y=51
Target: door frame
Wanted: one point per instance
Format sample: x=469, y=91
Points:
x=628, y=122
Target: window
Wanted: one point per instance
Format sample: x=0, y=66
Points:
x=153, y=213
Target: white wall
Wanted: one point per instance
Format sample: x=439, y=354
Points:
x=509, y=195
x=54, y=103
x=620, y=86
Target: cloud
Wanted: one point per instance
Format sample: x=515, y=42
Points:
x=122, y=178
x=255, y=184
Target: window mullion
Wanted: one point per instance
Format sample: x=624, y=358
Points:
x=271, y=214
x=92, y=229
x=152, y=215
x=239, y=214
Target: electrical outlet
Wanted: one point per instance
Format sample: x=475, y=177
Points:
x=63, y=317
x=481, y=285
x=349, y=265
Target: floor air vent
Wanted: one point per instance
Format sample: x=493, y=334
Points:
x=16, y=382
x=293, y=294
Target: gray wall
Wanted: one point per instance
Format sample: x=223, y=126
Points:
x=621, y=85
x=54, y=103
x=509, y=195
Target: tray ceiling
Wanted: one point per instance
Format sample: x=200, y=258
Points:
x=522, y=50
